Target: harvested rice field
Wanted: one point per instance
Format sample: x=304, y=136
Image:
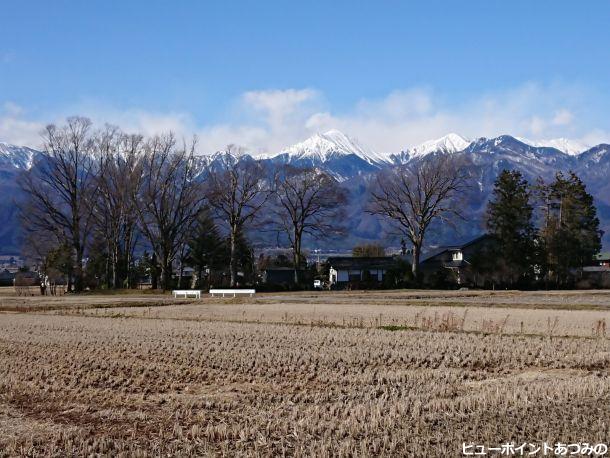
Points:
x=386, y=373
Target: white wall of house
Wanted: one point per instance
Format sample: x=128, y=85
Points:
x=332, y=274
x=344, y=275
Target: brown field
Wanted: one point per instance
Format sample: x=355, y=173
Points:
x=390, y=373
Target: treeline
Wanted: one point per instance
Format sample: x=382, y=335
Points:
x=104, y=208
x=544, y=233
x=100, y=195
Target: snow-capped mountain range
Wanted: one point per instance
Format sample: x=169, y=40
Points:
x=326, y=146
x=354, y=165
x=20, y=157
x=450, y=143
x=565, y=145
x=331, y=145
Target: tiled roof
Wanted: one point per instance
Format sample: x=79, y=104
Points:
x=603, y=256
x=358, y=263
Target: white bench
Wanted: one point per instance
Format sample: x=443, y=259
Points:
x=234, y=292
x=187, y=292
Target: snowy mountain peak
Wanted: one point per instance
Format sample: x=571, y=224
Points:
x=333, y=143
x=565, y=145
x=450, y=143
x=20, y=157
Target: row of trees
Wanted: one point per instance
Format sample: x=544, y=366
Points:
x=542, y=232
x=104, y=188
x=105, y=191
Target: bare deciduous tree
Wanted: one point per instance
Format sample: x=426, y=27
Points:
x=414, y=195
x=236, y=193
x=169, y=199
x=60, y=188
x=118, y=181
x=307, y=202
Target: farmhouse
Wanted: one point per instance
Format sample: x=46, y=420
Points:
x=284, y=276
x=456, y=259
x=345, y=270
x=598, y=273
x=602, y=259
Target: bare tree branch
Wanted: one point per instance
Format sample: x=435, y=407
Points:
x=169, y=198
x=415, y=195
x=237, y=192
x=306, y=202
x=61, y=188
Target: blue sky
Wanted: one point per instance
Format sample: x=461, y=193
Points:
x=267, y=74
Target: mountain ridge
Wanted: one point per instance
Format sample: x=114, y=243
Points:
x=329, y=145
x=354, y=166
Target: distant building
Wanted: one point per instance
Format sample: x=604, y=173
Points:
x=455, y=260
x=11, y=262
x=598, y=273
x=7, y=277
x=602, y=259
x=351, y=271
x=284, y=276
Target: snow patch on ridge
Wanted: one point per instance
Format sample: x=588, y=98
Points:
x=20, y=157
x=324, y=146
x=565, y=145
x=450, y=143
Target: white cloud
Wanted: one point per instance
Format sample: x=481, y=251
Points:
x=268, y=120
x=406, y=118
x=15, y=128
x=563, y=117
x=537, y=125
x=278, y=105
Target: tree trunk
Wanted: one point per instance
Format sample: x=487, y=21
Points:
x=296, y=258
x=107, y=267
x=129, y=248
x=78, y=275
x=415, y=260
x=154, y=275
x=115, y=267
x=180, y=274
x=199, y=275
x=166, y=274
x=233, y=261
x=296, y=262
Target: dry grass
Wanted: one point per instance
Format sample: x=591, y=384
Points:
x=480, y=318
x=11, y=301
x=159, y=384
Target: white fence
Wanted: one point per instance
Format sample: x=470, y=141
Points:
x=232, y=292
x=195, y=293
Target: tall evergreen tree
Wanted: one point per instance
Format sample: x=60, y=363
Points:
x=571, y=230
x=509, y=221
x=206, y=248
x=244, y=257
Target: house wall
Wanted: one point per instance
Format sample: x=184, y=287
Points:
x=379, y=273
x=342, y=275
x=358, y=275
